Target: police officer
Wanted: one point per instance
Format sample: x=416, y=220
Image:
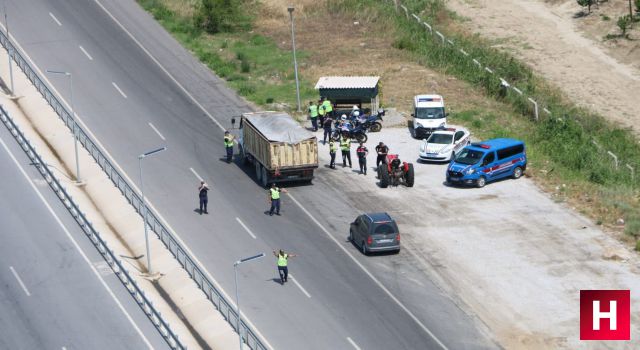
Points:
x=332, y=152
x=321, y=112
x=345, y=147
x=382, y=151
x=313, y=115
x=328, y=107
x=274, y=197
x=202, y=194
x=326, y=125
x=228, y=145
x=283, y=261
x=362, y=153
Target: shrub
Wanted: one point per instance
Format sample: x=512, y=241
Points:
x=215, y=16
x=632, y=226
x=245, y=66
x=623, y=23
x=246, y=88
x=587, y=3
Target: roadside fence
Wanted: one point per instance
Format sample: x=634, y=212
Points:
x=187, y=262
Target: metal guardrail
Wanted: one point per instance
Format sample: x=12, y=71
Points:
x=176, y=249
x=132, y=286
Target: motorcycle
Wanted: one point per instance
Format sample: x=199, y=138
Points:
x=357, y=133
x=369, y=123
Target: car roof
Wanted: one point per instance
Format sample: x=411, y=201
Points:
x=495, y=144
x=379, y=217
x=450, y=131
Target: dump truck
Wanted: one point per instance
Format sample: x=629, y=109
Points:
x=278, y=147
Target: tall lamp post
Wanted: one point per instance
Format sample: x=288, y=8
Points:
x=6, y=25
x=295, y=62
x=73, y=118
x=235, y=274
x=144, y=204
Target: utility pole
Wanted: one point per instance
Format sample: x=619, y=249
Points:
x=295, y=62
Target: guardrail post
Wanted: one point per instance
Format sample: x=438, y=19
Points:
x=535, y=107
x=615, y=158
x=428, y=27
x=631, y=170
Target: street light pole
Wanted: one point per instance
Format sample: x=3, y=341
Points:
x=6, y=25
x=73, y=118
x=295, y=61
x=144, y=204
x=235, y=275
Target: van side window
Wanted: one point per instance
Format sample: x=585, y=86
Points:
x=489, y=158
x=510, y=151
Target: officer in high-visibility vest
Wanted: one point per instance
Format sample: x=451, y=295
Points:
x=345, y=147
x=274, y=197
x=313, y=115
x=333, y=147
x=228, y=145
x=283, y=260
x=321, y=112
x=328, y=107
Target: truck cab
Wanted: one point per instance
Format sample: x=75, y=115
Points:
x=428, y=115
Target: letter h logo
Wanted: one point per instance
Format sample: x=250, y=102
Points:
x=605, y=315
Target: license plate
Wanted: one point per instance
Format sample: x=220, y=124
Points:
x=385, y=240
x=454, y=179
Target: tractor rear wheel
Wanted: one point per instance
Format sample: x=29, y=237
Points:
x=383, y=174
x=409, y=176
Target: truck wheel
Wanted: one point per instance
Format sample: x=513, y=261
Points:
x=258, y=172
x=361, y=137
x=264, y=177
x=375, y=127
x=409, y=176
x=384, y=176
x=481, y=182
x=243, y=156
x=517, y=172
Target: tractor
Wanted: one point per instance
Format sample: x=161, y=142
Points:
x=395, y=172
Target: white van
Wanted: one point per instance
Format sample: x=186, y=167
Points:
x=428, y=115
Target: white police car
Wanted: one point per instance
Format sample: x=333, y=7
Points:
x=444, y=144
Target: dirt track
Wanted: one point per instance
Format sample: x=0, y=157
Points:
x=545, y=37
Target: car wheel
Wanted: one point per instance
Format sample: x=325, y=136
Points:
x=517, y=172
x=363, y=246
x=350, y=236
x=481, y=182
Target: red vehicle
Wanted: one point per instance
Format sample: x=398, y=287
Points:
x=395, y=172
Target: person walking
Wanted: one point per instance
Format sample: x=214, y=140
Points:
x=228, y=145
x=283, y=261
x=313, y=115
x=362, y=153
x=381, y=150
x=326, y=125
x=332, y=152
x=345, y=147
x=274, y=197
x=202, y=194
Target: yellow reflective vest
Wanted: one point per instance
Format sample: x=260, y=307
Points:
x=282, y=259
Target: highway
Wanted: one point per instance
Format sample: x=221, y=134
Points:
x=56, y=291
x=135, y=89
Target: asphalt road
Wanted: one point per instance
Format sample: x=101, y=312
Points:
x=339, y=299
x=56, y=291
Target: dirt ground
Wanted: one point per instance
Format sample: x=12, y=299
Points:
x=604, y=77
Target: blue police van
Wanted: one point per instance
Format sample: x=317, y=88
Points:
x=487, y=161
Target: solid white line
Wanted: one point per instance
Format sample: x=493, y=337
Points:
x=246, y=228
x=55, y=19
x=118, y=88
x=15, y=274
x=377, y=282
x=196, y=174
x=75, y=244
x=353, y=343
x=299, y=286
x=85, y=53
x=157, y=132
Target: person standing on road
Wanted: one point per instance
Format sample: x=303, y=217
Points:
x=274, y=197
x=204, y=199
x=283, y=261
x=362, y=153
x=345, y=147
x=228, y=145
x=328, y=107
x=382, y=151
x=332, y=152
x=326, y=125
x=313, y=115
x=321, y=112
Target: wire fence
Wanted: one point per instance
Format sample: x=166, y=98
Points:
x=187, y=262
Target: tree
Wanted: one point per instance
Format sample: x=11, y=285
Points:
x=587, y=3
x=216, y=16
x=638, y=6
x=623, y=23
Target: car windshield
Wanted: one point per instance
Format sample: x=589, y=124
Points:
x=469, y=156
x=430, y=113
x=385, y=228
x=440, y=138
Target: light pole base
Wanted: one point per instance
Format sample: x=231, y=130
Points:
x=152, y=277
x=13, y=97
x=79, y=183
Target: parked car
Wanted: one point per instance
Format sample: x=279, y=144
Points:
x=375, y=232
x=487, y=161
x=444, y=144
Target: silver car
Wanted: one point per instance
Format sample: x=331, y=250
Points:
x=375, y=232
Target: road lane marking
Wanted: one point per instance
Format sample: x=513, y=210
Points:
x=75, y=244
x=15, y=274
x=377, y=282
x=85, y=53
x=300, y=286
x=157, y=132
x=196, y=174
x=55, y=19
x=355, y=346
x=246, y=228
x=118, y=88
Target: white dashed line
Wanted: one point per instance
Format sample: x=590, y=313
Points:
x=85, y=53
x=299, y=286
x=196, y=174
x=15, y=274
x=355, y=346
x=157, y=132
x=118, y=88
x=55, y=19
x=246, y=228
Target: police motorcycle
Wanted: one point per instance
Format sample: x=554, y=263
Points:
x=369, y=123
x=345, y=127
